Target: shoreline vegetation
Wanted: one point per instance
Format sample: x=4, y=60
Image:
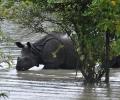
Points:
x=87, y=22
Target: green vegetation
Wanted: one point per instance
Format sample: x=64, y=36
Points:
x=85, y=21
x=5, y=57
x=3, y=95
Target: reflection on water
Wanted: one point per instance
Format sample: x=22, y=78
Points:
x=55, y=85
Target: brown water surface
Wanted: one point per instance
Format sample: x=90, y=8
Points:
x=48, y=84
x=55, y=85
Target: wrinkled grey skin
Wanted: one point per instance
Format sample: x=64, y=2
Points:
x=54, y=51
x=115, y=62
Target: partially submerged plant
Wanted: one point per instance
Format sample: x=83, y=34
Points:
x=2, y=94
x=5, y=57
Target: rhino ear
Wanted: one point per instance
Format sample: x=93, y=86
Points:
x=19, y=44
x=29, y=44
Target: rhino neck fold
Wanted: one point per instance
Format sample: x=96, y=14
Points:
x=37, y=53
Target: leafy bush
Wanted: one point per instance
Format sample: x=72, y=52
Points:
x=7, y=58
x=3, y=95
x=85, y=21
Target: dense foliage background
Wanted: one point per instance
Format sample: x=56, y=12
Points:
x=85, y=21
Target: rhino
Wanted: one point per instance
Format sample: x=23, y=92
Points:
x=54, y=51
x=115, y=62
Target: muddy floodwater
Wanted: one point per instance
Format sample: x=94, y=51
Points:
x=37, y=84
x=56, y=85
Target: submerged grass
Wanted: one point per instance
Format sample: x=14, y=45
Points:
x=4, y=95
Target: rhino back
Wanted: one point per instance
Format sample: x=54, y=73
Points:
x=71, y=57
x=48, y=45
x=70, y=54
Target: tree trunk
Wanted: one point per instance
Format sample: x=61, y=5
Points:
x=107, y=49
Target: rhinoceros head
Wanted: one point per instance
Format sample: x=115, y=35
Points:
x=27, y=58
